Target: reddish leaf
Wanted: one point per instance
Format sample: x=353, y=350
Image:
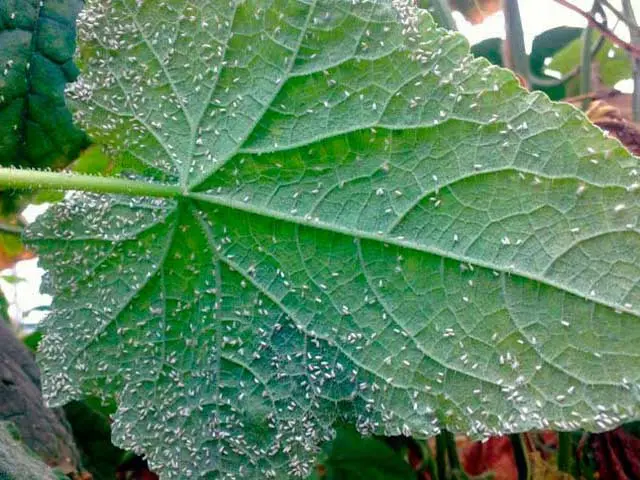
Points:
x=494, y=455
x=618, y=455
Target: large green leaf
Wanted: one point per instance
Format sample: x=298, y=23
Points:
x=375, y=227
x=37, y=42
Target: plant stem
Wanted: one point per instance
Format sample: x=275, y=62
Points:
x=516, y=58
x=441, y=455
x=585, y=64
x=22, y=179
x=635, y=41
x=631, y=49
x=452, y=450
x=624, y=18
x=10, y=229
x=428, y=462
x=564, y=451
x=520, y=456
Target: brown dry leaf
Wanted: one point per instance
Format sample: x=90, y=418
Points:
x=611, y=111
x=613, y=116
x=542, y=469
x=475, y=11
x=9, y=258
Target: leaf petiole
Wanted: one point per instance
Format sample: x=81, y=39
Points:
x=23, y=179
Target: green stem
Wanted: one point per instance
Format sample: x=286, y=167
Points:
x=441, y=455
x=517, y=58
x=452, y=450
x=564, y=451
x=520, y=456
x=22, y=179
x=428, y=461
x=635, y=40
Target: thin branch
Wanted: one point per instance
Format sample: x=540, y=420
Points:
x=633, y=50
x=635, y=40
x=585, y=58
x=629, y=22
x=594, y=95
x=10, y=229
x=516, y=57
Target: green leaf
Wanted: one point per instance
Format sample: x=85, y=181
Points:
x=89, y=420
x=37, y=42
x=375, y=227
x=544, y=46
x=613, y=62
x=489, y=48
x=548, y=43
x=350, y=456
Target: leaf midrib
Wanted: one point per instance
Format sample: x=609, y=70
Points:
x=447, y=366
x=402, y=243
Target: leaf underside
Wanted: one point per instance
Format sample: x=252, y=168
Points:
x=37, y=42
x=376, y=228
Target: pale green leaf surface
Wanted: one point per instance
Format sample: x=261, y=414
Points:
x=375, y=227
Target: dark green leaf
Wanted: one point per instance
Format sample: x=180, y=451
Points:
x=491, y=49
x=37, y=42
x=548, y=43
x=91, y=426
x=351, y=456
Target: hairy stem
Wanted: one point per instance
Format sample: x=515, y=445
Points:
x=22, y=179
